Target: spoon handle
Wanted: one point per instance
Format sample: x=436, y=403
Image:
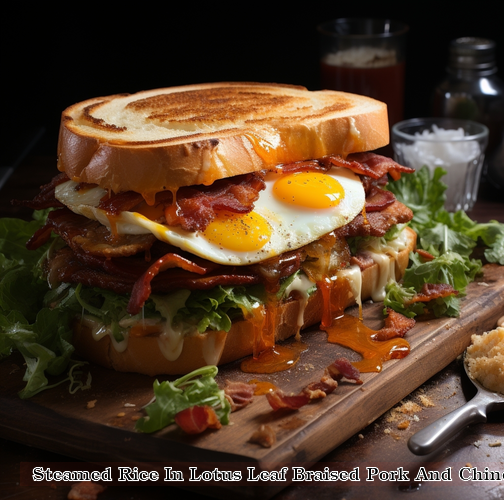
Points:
x=434, y=435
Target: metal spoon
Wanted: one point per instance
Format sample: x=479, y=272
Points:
x=434, y=435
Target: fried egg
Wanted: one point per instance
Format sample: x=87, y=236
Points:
x=294, y=210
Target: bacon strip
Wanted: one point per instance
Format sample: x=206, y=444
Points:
x=426, y=256
x=376, y=223
x=142, y=289
x=396, y=325
x=431, y=291
x=120, y=202
x=89, y=236
x=304, y=166
x=279, y=400
x=369, y=164
x=45, y=198
x=197, y=206
x=239, y=394
x=196, y=419
x=377, y=199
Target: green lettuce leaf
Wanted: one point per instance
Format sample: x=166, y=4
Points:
x=449, y=237
x=196, y=388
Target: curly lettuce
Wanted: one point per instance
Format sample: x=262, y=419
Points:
x=449, y=237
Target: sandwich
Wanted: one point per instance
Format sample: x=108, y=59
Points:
x=200, y=224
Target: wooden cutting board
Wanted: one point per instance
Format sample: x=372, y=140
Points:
x=60, y=422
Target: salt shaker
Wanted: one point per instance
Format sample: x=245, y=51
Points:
x=472, y=90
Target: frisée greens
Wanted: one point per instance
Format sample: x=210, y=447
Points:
x=37, y=321
x=196, y=388
x=449, y=237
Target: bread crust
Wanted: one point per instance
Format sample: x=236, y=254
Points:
x=158, y=140
x=143, y=355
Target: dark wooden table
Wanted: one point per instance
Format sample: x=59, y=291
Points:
x=382, y=444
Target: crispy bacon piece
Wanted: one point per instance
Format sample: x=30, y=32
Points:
x=39, y=237
x=120, y=202
x=265, y=436
x=89, y=236
x=376, y=166
x=196, y=419
x=85, y=490
x=342, y=368
x=367, y=164
x=46, y=198
x=197, y=206
x=279, y=400
x=305, y=166
x=321, y=389
x=377, y=199
x=431, y=291
x=121, y=274
x=239, y=394
x=363, y=260
x=396, y=325
x=376, y=223
x=142, y=289
x=424, y=254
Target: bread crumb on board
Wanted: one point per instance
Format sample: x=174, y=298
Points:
x=91, y=404
x=426, y=401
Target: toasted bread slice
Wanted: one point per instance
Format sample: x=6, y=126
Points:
x=143, y=354
x=182, y=136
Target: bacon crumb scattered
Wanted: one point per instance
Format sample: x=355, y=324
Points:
x=340, y=368
x=265, y=436
x=85, y=490
x=239, y=394
x=279, y=400
x=396, y=325
x=196, y=419
x=431, y=291
x=424, y=254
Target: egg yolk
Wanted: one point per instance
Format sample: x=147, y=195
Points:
x=238, y=232
x=309, y=189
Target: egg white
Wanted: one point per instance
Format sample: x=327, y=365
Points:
x=291, y=226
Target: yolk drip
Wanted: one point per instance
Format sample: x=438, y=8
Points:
x=239, y=232
x=309, y=189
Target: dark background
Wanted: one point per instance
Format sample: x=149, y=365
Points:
x=56, y=56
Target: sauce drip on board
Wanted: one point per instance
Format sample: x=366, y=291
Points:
x=274, y=359
x=267, y=356
x=349, y=331
x=262, y=387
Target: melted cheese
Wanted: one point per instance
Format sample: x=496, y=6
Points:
x=302, y=284
x=212, y=346
x=99, y=330
x=386, y=272
x=354, y=277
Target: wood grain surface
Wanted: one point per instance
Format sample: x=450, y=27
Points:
x=59, y=422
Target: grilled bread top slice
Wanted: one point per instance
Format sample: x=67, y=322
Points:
x=167, y=138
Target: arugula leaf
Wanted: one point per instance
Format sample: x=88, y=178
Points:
x=449, y=237
x=196, y=388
